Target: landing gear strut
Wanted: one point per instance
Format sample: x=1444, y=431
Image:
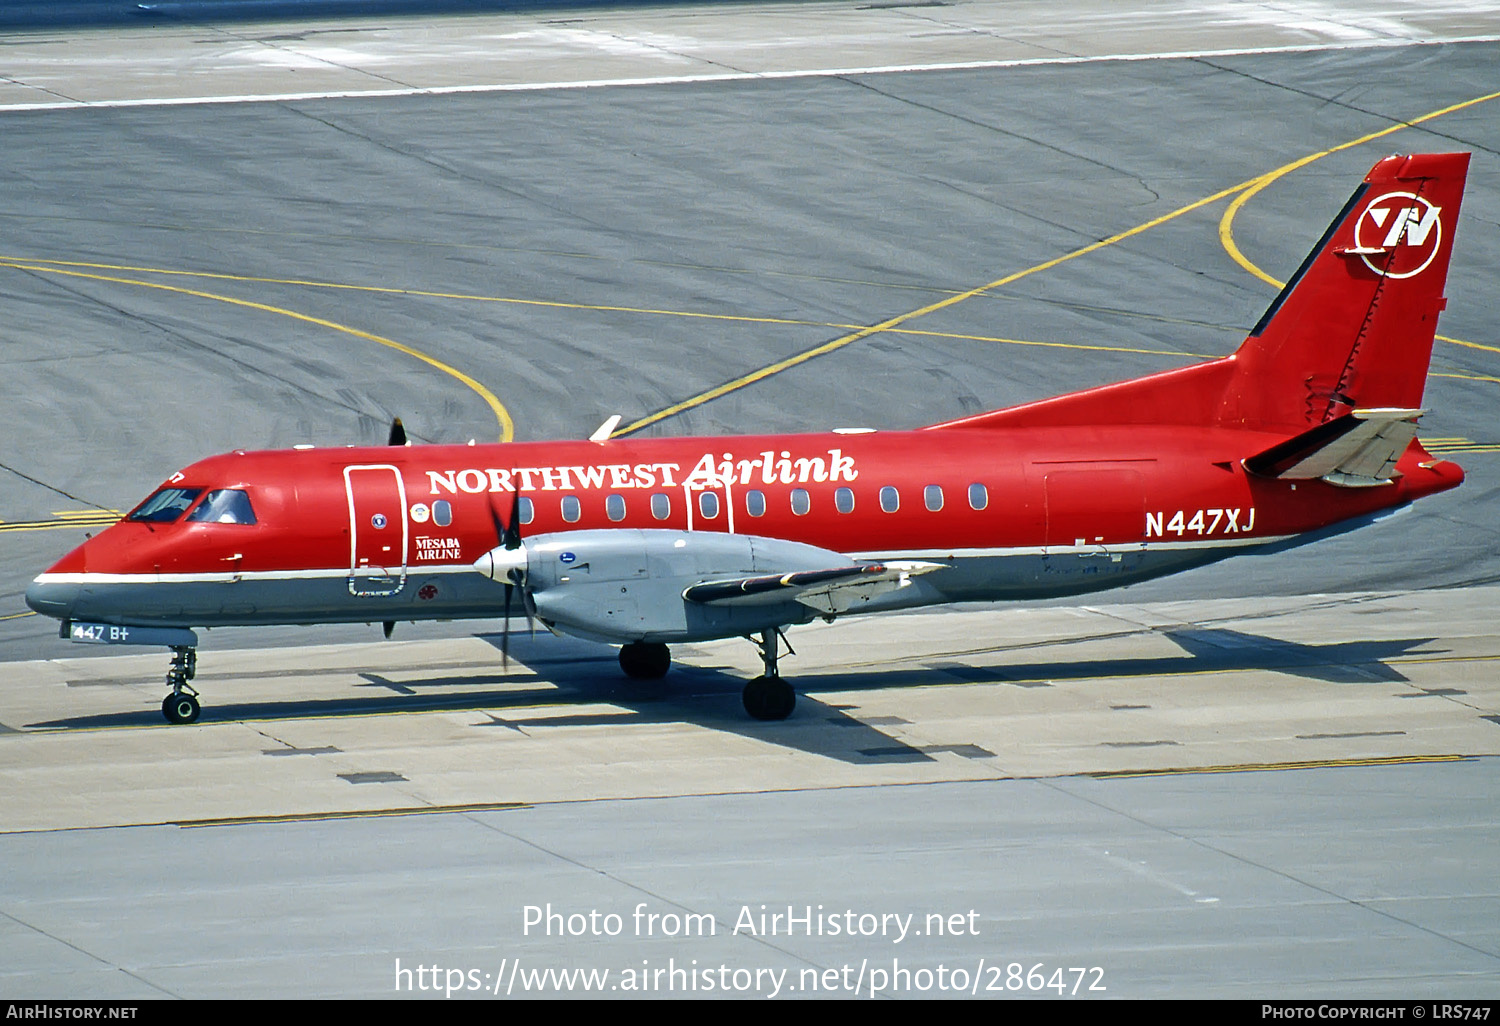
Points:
x=645, y=660
x=768, y=697
x=181, y=706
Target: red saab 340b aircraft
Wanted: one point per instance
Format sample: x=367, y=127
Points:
x=1309, y=429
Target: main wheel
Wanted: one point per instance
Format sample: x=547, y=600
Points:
x=645, y=660
x=769, y=698
x=180, y=708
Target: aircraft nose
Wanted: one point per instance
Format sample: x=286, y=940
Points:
x=52, y=598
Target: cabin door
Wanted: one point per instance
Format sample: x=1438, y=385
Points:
x=378, y=534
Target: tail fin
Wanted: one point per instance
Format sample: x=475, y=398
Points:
x=1352, y=328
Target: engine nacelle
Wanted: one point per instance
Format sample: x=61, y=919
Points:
x=626, y=585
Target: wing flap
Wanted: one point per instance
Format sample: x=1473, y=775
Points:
x=830, y=591
x=1358, y=450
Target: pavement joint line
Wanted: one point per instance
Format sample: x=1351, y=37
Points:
x=302, y=817
x=989, y=778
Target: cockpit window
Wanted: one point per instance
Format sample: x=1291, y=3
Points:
x=166, y=505
x=224, y=506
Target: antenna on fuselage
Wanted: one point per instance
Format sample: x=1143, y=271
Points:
x=603, y=431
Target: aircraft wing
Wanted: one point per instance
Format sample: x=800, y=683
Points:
x=1357, y=450
x=828, y=591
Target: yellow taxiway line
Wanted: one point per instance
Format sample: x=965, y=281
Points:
x=502, y=415
x=1262, y=767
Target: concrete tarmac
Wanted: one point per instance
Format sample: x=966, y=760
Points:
x=183, y=278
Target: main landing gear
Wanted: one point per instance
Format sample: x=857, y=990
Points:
x=768, y=697
x=181, y=706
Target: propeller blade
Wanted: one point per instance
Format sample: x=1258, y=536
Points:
x=505, y=630
x=388, y=626
x=507, y=537
x=497, y=523
x=398, y=433
x=512, y=537
x=529, y=608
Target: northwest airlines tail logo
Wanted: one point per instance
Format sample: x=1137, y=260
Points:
x=1401, y=231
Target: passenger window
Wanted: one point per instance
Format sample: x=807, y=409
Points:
x=166, y=505
x=843, y=500
x=528, y=511
x=614, y=507
x=801, y=501
x=755, y=503
x=571, y=509
x=932, y=497
x=979, y=496
x=661, y=506
x=708, y=505
x=224, y=506
x=890, y=499
x=442, y=512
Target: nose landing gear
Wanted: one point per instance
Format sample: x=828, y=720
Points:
x=181, y=706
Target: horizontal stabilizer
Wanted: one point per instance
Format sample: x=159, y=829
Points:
x=828, y=591
x=1357, y=450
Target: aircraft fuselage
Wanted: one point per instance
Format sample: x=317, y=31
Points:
x=392, y=533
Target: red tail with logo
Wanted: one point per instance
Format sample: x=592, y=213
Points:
x=1352, y=328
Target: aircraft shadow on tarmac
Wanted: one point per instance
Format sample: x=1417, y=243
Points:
x=542, y=680
x=1207, y=650
x=705, y=696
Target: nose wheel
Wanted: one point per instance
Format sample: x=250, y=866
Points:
x=181, y=706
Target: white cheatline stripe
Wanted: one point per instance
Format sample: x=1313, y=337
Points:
x=226, y=576
x=746, y=76
x=221, y=576
x=1247, y=541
